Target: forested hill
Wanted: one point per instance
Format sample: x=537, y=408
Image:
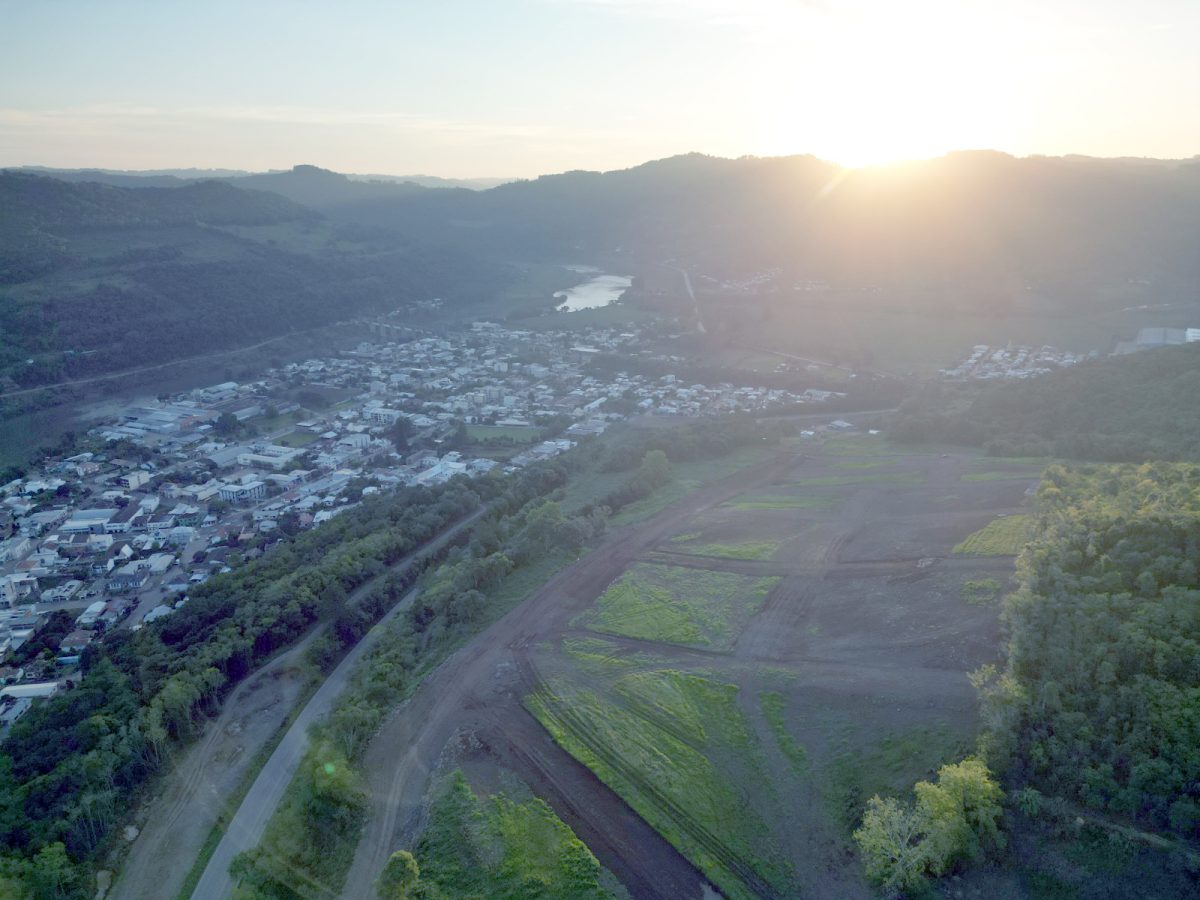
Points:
x=96, y=278
x=31, y=201
x=977, y=219
x=1138, y=407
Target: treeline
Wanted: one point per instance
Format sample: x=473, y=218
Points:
x=70, y=767
x=1099, y=705
x=310, y=842
x=1131, y=408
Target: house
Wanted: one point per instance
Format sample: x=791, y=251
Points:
x=35, y=691
x=133, y=480
x=243, y=492
x=126, y=578
x=11, y=709
x=183, y=514
x=89, y=521
x=20, y=588
x=157, y=563
x=73, y=643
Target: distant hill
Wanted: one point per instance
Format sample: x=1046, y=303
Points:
x=979, y=224
x=964, y=220
x=1130, y=408
x=177, y=177
x=95, y=278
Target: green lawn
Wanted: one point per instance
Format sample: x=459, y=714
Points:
x=676, y=605
x=1000, y=537
x=296, y=439
x=518, y=434
x=896, y=478
x=675, y=747
x=772, y=703
x=998, y=476
x=503, y=846
x=690, y=543
x=754, y=502
x=981, y=591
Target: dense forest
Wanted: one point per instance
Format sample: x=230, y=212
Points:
x=96, y=278
x=1132, y=408
x=1100, y=702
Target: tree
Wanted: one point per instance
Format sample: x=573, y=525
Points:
x=54, y=875
x=892, y=843
x=960, y=813
x=400, y=433
x=226, y=424
x=400, y=877
x=655, y=469
x=953, y=820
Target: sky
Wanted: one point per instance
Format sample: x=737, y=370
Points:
x=518, y=88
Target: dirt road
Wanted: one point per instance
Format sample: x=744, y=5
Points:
x=246, y=828
x=478, y=690
x=867, y=620
x=198, y=790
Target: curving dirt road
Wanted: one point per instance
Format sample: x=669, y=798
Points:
x=248, y=824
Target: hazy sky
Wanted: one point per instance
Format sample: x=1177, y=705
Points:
x=522, y=87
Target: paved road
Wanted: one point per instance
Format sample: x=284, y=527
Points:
x=248, y=824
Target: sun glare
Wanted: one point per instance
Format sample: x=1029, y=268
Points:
x=889, y=87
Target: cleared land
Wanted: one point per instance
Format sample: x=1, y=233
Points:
x=747, y=728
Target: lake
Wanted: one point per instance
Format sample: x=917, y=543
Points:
x=600, y=291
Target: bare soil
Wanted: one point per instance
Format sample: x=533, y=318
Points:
x=175, y=823
x=867, y=636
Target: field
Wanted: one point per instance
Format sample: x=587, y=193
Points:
x=1000, y=537
x=691, y=607
x=508, y=844
x=822, y=693
x=517, y=434
x=712, y=694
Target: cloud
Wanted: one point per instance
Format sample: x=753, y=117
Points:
x=86, y=118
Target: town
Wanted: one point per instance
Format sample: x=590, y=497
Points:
x=178, y=489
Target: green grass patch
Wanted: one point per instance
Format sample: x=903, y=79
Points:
x=673, y=490
x=997, y=476
x=864, y=463
x=515, y=434
x=896, y=478
x=676, y=605
x=687, y=543
x=857, y=445
x=982, y=591
x=675, y=747
x=502, y=846
x=773, y=711
x=1000, y=537
x=266, y=425
x=296, y=439
x=755, y=502
x=887, y=766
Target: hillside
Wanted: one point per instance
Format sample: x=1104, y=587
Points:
x=964, y=220
x=95, y=278
x=1122, y=408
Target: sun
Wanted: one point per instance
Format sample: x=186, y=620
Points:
x=889, y=90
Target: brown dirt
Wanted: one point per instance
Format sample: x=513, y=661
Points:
x=175, y=823
x=867, y=626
